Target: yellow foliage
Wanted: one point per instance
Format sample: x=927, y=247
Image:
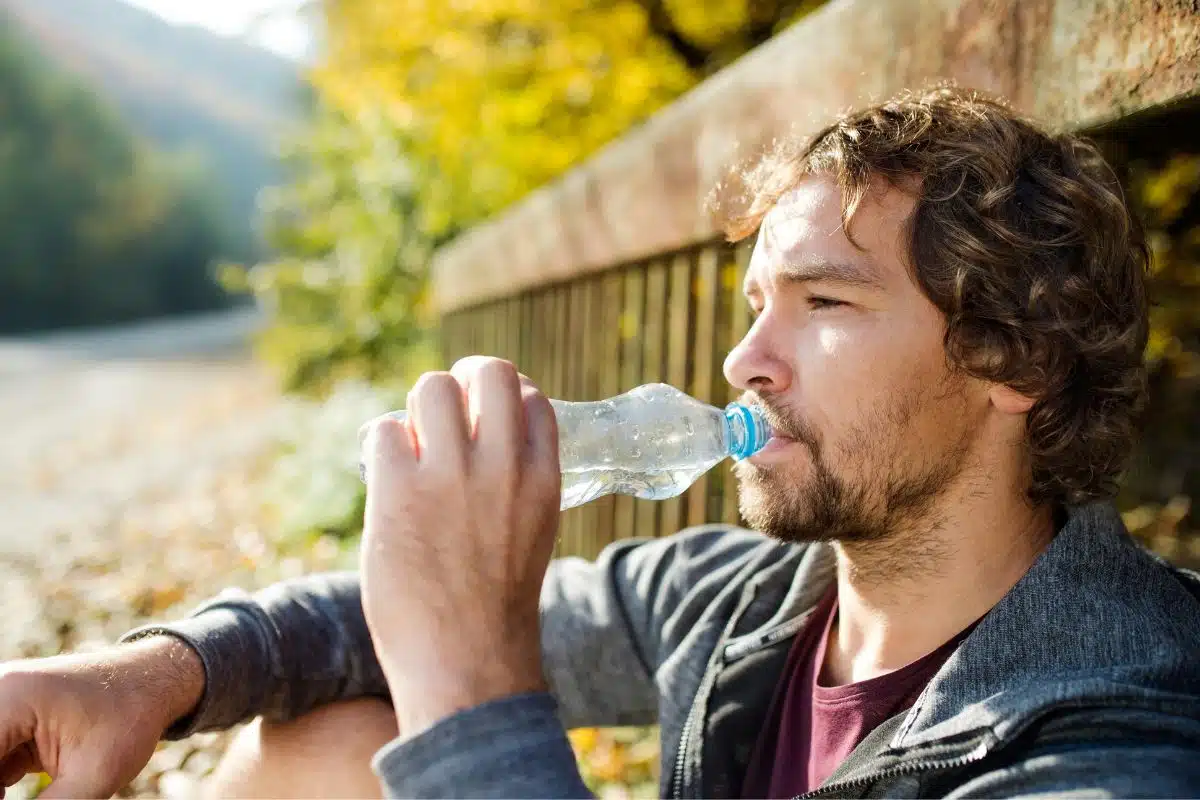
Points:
x=618, y=762
x=501, y=96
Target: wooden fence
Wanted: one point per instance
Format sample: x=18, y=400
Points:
x=670, y=319
x=614, y=276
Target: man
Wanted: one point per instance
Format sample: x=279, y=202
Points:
x=939, y=599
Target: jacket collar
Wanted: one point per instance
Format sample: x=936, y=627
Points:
x=1096, y=619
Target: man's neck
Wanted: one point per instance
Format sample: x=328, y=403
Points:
x=901, y=599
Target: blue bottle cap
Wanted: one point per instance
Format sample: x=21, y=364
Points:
x=753, y=422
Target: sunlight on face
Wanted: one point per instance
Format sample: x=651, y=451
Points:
x=846, y=356
x=830, y=338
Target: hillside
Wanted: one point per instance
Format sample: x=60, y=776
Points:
x=179, y=87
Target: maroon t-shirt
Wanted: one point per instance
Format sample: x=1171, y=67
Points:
x=818, y=726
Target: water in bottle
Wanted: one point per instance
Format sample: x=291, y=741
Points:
x=652, y=442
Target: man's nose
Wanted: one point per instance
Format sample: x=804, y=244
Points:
x=756, y=364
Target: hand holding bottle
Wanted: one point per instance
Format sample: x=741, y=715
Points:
x=652, y=442
x=460, y=523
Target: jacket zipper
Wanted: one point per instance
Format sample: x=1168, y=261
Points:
x=706, y=684
x=681, y=751
x=902, y=769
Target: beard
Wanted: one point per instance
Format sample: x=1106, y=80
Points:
x=882, y=490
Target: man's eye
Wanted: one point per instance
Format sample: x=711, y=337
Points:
x=818, y=303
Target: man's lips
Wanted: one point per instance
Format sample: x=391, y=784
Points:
x=773, y=445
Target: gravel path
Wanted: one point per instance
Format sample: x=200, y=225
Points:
x=130, y=489
x=86, y=440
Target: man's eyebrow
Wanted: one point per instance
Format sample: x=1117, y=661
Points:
x=863, y=276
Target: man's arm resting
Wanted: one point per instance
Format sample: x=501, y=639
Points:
x=296, y=645
x=511, y=747
x=280, y=652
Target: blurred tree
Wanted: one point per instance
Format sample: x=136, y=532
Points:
x=1163, y=182
x=93, y=227
x=347, y=295
x=501, y=96
x=436, y=115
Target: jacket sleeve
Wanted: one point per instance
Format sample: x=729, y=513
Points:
x=511, y=747
x=278, y=653
x=299, y=644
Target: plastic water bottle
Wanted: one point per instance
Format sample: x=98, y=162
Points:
x=652, y=442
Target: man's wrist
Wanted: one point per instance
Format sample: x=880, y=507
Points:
x=169, y=672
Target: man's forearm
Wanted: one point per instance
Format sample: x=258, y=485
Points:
x=279, y=653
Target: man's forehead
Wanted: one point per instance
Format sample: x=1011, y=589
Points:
x=808, y=215
x=805, y=227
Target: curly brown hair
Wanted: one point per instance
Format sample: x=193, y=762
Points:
x=1023, y=239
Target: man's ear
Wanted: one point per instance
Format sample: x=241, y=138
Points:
x=1009, y=400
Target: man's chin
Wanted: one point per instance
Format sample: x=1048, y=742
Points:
x=777, y=509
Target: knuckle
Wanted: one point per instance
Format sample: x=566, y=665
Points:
x=498, y=368
x=386, y=434
x=435, y=383
x=534, y=399
x=466, y=364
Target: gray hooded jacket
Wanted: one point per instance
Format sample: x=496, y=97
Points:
x=1083, y=680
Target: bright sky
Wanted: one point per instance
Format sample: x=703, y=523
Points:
x=274, y=24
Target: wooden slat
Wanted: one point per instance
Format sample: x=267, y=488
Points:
x=539, y=306
x=467, y=334
x=562, y=312
x=479, y=325
x=608, y=327
x=545, y=365
x=560, y=379
x=457, y=342
x=456, y=337
x=485, y=318
x=499, y=335
x=704, y=295
x=512, y=347
x=717, y=479
x=653, y=336
x=654, y=331
x=528, y=333
x=679, y=307
x=573, y=379
x=733, y=272
x=589, y=378
x=631, y=375
x=495, y=329
x=549, y=365
x=537, y=345
x=446, y=330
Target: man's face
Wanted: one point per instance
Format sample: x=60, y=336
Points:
x=846, y=356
